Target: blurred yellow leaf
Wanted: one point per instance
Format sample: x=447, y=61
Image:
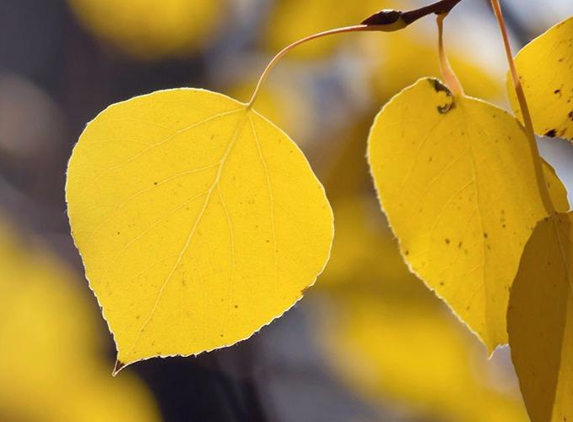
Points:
x=198, y=220
x=364, y=250
x=50, y=360
x=291, y=20
x=151, y=29
x=456, y=180
x=392, y=341
x=540, y=319
x=416, y=355
x=545, y=67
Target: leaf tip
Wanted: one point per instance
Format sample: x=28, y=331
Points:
x=119, y=365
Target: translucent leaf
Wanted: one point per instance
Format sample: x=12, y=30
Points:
x=457, y=182
x=197, y=219
x=545, y=67
x=151, y=29
x=540, y=319
x=51, y=354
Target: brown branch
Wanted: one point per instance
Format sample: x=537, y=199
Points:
x=387, y=16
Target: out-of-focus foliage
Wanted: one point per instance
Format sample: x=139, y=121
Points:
x=51, y=368
x=545, y=67
x=294, y=19
x=401, y=58
x=540, y=318
x=152, y=29
x=216, y=227
x=393, y=341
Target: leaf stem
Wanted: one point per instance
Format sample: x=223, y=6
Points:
x=382, y=21
x=448, y=74
x=280, y=54
x=527, y=122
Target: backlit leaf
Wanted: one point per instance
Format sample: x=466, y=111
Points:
x=540, y=321
x=545, y=67
x=457, y=182
x=52, y=365
x=198, y=220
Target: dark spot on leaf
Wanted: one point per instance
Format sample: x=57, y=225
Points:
x=447, y=241
x=406, y=252
x=551, y=133
x=439, y=86
x=557, y=91
x=485, y=235
x=443, y=109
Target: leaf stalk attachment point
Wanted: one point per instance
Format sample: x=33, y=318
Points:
x=527, y=122
x=280, y=54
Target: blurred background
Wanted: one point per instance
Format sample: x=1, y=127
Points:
x=369, y=342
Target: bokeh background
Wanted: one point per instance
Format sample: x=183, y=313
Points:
x=369, y=342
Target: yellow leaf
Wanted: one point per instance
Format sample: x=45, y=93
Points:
x=540, y=319
x=51, y=358
x=198, y=221
x=457, y=182
x=545, y=67
x=151, y=29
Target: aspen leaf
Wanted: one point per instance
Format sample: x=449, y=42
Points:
x=540, y=319
x=51, y=358
x=545, y=67
x=457, y=182
x=198, y=221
